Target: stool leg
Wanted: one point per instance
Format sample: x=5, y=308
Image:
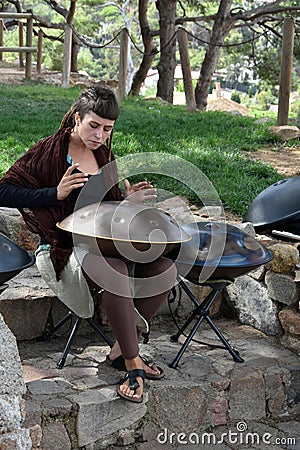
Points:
x=174, y=337
x=62, y=360
x=176, y=360
x=202, y=311
x=65, y=319
x=235, y=355
x=99, y=331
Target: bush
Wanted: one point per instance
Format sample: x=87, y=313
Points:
x=235, y=96
x=265, y=98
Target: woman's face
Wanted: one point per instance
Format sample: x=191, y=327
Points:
x=93, y=130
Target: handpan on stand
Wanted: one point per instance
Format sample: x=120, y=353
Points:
x=216, y=255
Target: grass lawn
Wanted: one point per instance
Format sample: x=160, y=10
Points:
x=212, y=143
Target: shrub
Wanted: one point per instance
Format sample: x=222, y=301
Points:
x=235, y=96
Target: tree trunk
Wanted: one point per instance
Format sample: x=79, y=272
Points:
x=74, y=53
x=75, y=43
x=167, y=62
x=222, y=25
x=149, y=50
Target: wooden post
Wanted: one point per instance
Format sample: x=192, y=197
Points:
x=123, y=62
x=29, y=29
x=1, y=38
x=21, y=43
x=28, y=49
x=286, y=71
x=67, y=57
x=39, y=52
x=186, y=70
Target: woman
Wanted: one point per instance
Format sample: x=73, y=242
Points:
x=44, y=184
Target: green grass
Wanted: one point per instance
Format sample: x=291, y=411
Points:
x=213, y=142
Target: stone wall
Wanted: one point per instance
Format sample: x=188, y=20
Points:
x=268, y=298
x=12, y=388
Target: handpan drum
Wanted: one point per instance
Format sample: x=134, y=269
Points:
x=13, y=259
x=123, y=229
x=219, y=251
x=276, y=207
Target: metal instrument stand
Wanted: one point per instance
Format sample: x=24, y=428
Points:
x=201, y=313
x=72, y=335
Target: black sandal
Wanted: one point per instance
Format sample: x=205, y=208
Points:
x=150, y=363
x=133, y=384
x=119, y=364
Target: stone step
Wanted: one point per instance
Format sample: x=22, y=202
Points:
x=207, y=390
x=25, y=304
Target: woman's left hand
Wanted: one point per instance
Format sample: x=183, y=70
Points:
x=139, y=192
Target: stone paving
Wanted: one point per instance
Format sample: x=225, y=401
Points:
x=208, y=401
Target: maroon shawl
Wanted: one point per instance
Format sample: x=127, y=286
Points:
x=43, y=166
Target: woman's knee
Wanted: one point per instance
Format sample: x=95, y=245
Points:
x=118, y=265
x=160, y=266
x=92, y=263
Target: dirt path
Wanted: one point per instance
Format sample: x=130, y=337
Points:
x=286, y=160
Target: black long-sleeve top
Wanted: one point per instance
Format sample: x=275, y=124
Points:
x=12, y=196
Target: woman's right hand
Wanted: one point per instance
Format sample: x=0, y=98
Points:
x=70, y=181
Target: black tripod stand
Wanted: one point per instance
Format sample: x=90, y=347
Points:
x=201, y=313
x=68, y=317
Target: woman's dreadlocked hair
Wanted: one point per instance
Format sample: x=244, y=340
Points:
x=100, y=100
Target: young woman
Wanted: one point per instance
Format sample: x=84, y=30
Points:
x=44, y=184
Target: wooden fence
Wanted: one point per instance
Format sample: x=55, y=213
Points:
x=28, y=48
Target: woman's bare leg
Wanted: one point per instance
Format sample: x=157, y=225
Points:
x=149, y=306
x=118, y=308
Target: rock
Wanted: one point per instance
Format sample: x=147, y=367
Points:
x=13, y=226
x=109, y=414
x=226, y=105
x=36, y=436
x=26, y=292
x=257, y=274
x=219, y=409
x=253, y=304
x=11, y=375
x=169, y=402
x=264, y=120
x=16, y=441
x=291, y=342
x=286, y=257
x=55, y=437
x=12, y=387
x=247, y=227
x=247, y=396
x=275, y=392
x=285, y=132
x=290, y=321
x=281, y=287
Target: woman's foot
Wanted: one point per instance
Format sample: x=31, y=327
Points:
x=115, y=359
x=132, y=385
x=115, y=351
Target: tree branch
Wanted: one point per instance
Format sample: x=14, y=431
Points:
x=71, y=12
x=59, y=9
x=243, y=15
